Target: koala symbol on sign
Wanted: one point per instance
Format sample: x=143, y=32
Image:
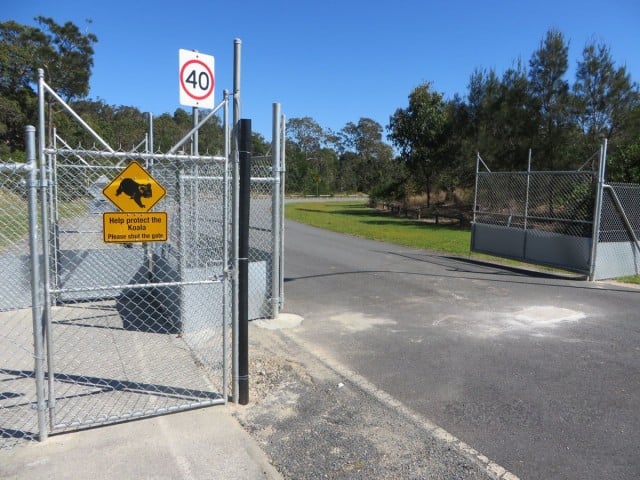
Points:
x=136, y=191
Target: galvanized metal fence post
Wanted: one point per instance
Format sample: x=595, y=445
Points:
x=283, y=168
x=597, y=210
x=526, y=206
x=225, y=240
x=36, y=292
x=235, y=214
x=46, y=245
x=275, y=216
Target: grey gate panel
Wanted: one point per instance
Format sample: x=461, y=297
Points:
x=539, y=217
x=618, y=250
x=570, y=220
x=17, y=385
x=137, y=328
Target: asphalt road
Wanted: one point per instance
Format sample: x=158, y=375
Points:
x=539, y=372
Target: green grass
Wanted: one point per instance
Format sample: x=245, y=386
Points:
x=14, y=216
x=357, y=219
x=635, y=279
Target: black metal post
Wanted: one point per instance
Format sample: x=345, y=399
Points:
x=244, y=154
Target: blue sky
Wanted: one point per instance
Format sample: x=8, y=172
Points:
x=334, y=61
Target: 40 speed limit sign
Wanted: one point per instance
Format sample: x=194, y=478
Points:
x=197, y=80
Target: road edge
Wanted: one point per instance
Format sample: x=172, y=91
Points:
x=484, y=462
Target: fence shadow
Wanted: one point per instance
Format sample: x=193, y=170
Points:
x=152, y=309
x=112, y=384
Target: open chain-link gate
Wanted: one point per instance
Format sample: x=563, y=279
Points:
x=97, y=330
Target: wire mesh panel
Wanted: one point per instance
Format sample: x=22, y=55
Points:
x=501, y=199
x=261, y=238
x=539, y=217
x=560, y=202
x=618, y=252
x=137, y=328
x=17, y=387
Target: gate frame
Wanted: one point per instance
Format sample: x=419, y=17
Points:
x=42, y=291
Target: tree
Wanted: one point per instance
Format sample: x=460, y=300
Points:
x=604, y=94
x=417, y=131
x=305, y=157
x=623, y=156
x=365, y=161
x=547, y=69
x=65, y=54
x=306, y=133
x=483, y=104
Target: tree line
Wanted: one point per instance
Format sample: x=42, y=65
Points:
x=430, y=144
x=528, y=108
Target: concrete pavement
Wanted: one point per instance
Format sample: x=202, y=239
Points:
x=206, y=443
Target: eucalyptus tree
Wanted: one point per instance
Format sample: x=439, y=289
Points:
x=417, y=131
x=305, y=141
x=61, y=50
x=365, y=159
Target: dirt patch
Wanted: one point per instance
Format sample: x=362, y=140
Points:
x=359, y=322
x=540, y=320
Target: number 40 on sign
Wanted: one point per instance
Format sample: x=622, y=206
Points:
x=197, y=79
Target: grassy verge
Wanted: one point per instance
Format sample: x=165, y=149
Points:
x=14, y=216
x=357, y=219
x=633, y=279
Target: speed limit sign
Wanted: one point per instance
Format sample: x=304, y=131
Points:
x=197, y=80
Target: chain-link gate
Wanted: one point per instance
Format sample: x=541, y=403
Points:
x=119, y=289
x=140, y=325
x=571, y=220
x=121, y=329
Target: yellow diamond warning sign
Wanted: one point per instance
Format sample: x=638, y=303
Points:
x=134, y=190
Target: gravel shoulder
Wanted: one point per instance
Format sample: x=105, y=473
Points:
x=314, y=422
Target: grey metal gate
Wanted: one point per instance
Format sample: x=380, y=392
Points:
x=572, y=220
x=617, y=252
x=121, y=329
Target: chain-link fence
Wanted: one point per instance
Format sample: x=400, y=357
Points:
x=618, y=249
x=549, y=218
x=263, y=245
x=17, y=385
